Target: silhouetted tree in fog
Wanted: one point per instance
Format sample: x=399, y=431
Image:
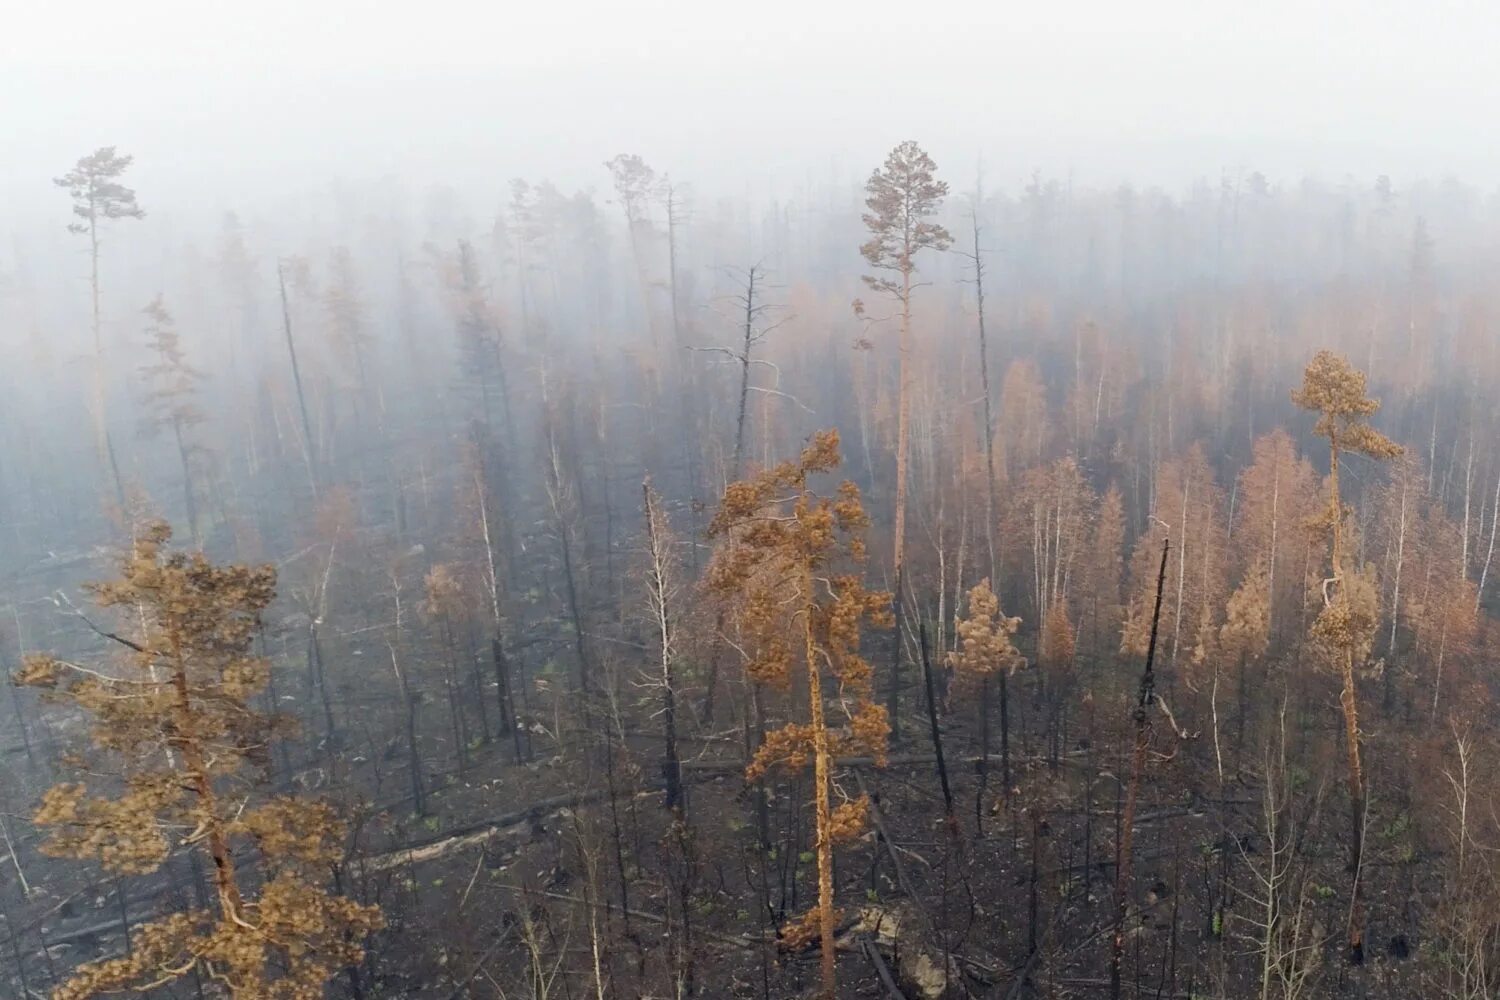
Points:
x=901, y=197
x=99, y=197
x=171, y=400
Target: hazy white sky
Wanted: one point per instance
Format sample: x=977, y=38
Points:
x=222, y=101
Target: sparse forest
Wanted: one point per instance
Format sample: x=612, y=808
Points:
x=907, y=589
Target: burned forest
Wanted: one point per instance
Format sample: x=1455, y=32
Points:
x=892, y=584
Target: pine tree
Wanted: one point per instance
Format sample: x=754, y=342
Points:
x=986, y=649
x=99, y=197
x=171, y=400
x=175, y=715
x=901, y=197
x=1345, y=628
x=635, y=186
x=784, y=571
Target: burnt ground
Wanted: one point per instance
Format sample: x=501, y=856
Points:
x=512, y=884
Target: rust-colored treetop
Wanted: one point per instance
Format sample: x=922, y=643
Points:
x=193, y=615
x=777, y=568
x=985, y=646
x=776, y=514
x=1335, y=389
x=174, y=714
x=444, y=596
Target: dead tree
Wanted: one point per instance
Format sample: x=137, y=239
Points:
x=661, y=592
x=309, y=444
x=1144, y=697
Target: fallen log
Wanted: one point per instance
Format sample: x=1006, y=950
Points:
x=477, y=832
x=881, y=969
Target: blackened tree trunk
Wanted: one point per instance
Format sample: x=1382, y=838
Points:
x=503, y=689
x=937, y=736
x=1123, y=862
